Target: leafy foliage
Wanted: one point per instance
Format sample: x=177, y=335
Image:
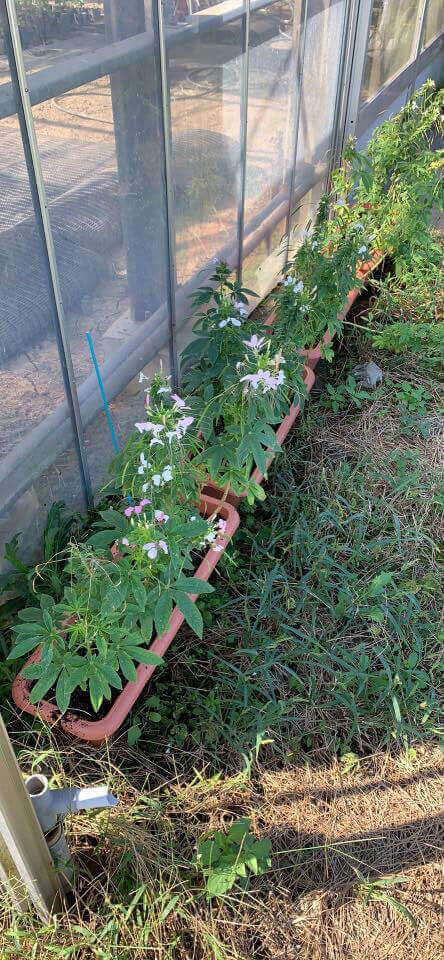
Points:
x=226, y=858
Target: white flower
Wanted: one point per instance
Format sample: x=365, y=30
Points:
x=362, y=249
x=142, y=377
x=172, y=434
x=233, y=320
x=256, y=343
x=160, y=516
x=297, y=285
x=241, y=308
x=125, y=541
x=222, y=524
x=314, y=244
x=151, y=550
x=358, y=225
x=144, y=465
x=157, y=480
x=156, y=440
x=164, y=390
x=148, y=427
x=192, y=518
x=218, y=548
x=414, y=105
x=210, y=537
x=167, y=473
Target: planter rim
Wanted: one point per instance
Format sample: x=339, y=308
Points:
x=96, y=731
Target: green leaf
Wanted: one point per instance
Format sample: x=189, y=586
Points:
x=63, y=692
x=239, y=829
x=162, y=612
x=155, y=717
x=145, y=656
x=134, y=733
x=31, y=614
x=42, y=686
x=111, y=675
x=192, y=615
x=221, y=880
x=24, y=647
x=96, y=692
x=139, y=593
x=194, y=585
x=127, y=667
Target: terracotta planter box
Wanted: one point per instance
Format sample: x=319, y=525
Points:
x=281, y=433
x=96, y=731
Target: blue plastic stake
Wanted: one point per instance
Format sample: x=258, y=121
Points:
x=102, y=393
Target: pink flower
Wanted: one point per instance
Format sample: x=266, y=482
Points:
x=255, y=342
x=129, y=511
x=180, y=404
x=160, y=516
x=184, y=423
x=163, y=546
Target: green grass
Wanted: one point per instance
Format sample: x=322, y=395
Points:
x=321, y=642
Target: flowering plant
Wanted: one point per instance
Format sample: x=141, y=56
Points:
x=159, y=461
x=101, y=627
x=319, y=278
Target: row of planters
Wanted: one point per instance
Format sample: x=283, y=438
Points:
x=41, y=21
x=191, y=458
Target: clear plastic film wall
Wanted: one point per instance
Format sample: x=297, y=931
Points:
x=140, y=140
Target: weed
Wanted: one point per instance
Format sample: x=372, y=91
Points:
x=223, y=859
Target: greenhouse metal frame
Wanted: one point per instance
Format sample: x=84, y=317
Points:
x=142, y=141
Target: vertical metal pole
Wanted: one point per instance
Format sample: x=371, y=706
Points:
x=360, y=20
x=169, y=196
x=243, y=133
x=38, y=192
x=343, y=73
x=26, y=867
x=420, y=31
x=299, y=57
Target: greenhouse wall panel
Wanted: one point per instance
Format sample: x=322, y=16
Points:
x=135, y=151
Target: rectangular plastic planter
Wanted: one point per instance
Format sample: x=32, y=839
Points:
x=281, y=433
x=96, y=731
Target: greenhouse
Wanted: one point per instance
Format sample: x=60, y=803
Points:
x=221, y=339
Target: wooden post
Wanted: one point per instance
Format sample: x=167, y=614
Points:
x=26, y=867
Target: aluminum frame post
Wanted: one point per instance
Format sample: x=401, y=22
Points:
x=299, y=58
x=26, y=868
x=40, y=204
x=169, y=196
x=245, y=73
x=420, y=30
x=359, y=26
